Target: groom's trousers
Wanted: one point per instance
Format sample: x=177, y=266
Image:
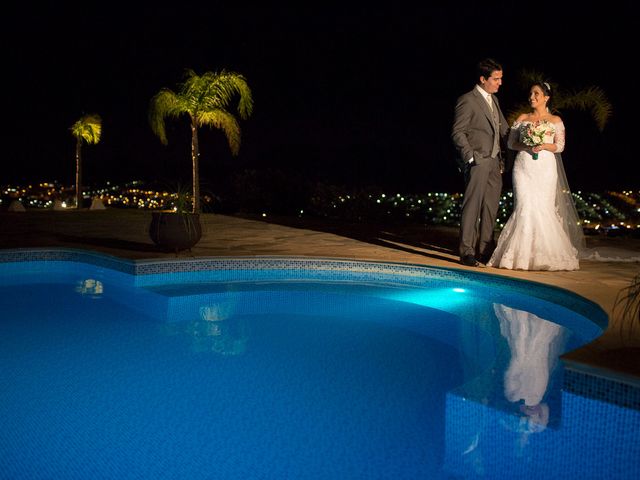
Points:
x=480, y=207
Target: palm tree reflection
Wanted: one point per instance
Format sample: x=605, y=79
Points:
x=216, y=330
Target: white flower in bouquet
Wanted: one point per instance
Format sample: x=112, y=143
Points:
x=533, y=134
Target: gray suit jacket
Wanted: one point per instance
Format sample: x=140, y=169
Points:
x=474, y=128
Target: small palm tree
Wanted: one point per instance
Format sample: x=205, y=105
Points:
x=88, y=129
x=590, y=99
x=205, y=99
x=627, y=306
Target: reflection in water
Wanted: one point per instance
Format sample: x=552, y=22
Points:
x=535, y=345
x=215, y=331
x=512, y=392
x=336, y=382
x=215, y=313
x=90, y=287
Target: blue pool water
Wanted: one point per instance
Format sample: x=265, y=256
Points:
x=267, y=373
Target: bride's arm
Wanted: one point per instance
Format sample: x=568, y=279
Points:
x=558, y=139
x=513, y=142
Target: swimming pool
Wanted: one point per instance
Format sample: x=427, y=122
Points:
x=294, y=368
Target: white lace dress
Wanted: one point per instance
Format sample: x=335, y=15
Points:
x=533, y=238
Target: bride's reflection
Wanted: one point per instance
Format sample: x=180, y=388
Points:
x=511, y=390
x=535, y=345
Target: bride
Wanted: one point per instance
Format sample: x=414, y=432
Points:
x=543, y=232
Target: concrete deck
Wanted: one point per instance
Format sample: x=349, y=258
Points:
x=124, y=233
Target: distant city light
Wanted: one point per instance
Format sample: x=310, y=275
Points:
x=608, y=211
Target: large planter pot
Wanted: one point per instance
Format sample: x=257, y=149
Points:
x=174, y=232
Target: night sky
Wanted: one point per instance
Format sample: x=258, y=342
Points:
x=350, y=96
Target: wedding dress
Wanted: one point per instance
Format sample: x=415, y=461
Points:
x=538, y=235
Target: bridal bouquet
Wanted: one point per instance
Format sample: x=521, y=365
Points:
x=532, y=134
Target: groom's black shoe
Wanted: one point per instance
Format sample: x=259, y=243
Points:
x=469, y=261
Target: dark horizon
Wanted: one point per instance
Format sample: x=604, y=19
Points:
x=351, y=97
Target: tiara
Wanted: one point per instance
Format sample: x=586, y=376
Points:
x=547, y=85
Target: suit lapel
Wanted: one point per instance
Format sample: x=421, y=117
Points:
x=484, y=106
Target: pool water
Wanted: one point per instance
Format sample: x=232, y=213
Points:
x=293, y=378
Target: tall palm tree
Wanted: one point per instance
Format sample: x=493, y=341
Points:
x=88, y=129
x=590, y=99
x=205, y=99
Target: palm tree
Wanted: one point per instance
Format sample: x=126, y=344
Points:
x=590, y=99
x=205, y=99
x=87, y=129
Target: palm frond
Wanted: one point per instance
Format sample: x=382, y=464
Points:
x=227, y=85
x=592, y=100
x=165, y=103
x=207, y=99
x=527, y=77
x=627, y=305
x=226, y=122
x=245, y=104
x=516, y=111
x=88, y=128
x=216, y=90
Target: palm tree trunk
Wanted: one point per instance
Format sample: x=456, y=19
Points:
x=195, y=157
x=78, y=175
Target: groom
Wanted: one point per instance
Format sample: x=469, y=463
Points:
x=479, y=127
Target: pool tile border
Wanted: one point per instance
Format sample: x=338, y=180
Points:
x=419, y=273
x=624, y=392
